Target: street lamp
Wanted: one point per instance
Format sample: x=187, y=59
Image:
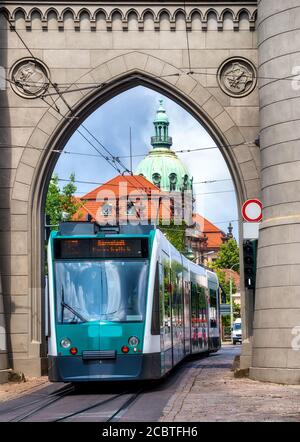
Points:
x=231, y=305
x=207, y=254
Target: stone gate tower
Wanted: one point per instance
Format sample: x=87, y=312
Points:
x=275, y=356
x=229, y=63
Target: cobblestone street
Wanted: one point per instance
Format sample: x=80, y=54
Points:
x=211, y=393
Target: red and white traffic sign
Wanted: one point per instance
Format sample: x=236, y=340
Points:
x=252, y=211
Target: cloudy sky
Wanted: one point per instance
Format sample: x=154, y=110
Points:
x=136, y=108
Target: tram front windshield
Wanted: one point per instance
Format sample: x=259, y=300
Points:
x=101, y=290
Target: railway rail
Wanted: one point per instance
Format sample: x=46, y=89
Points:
x=95, y=402
x=108, y=409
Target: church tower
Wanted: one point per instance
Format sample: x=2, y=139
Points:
x=161, y=166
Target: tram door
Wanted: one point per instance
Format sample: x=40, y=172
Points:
x=166, y=313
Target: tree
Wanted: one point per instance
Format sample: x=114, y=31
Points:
x=61, y=205
x=228, y=256
x=69, y=204
x=225, y=283
x=236, y=311
x=175, y=234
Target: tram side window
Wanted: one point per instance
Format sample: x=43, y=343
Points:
x=167, y=297
x=177, y=303
x=213, y=308
x=194, y=316
x=161, y=295
x=155, y=324
x=180, y=299
x=175, y=299
x=202, y=311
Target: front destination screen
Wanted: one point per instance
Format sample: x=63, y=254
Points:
x=101, y=248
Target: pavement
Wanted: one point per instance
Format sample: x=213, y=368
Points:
x=209, y=392
x=12, y=390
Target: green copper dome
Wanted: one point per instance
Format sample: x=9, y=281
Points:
x=162, y=166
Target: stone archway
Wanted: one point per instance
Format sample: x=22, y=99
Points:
x=141, y=42
x=53, y=130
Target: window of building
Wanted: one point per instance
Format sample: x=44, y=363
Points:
x=173, y=181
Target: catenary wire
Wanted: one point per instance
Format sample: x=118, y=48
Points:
x=117, y=185
x=54, y=106
x=113, y=159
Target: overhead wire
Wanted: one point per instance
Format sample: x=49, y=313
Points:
x=192, y=71
x=97, y=183
x=112, y=160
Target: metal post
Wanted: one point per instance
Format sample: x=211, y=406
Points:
x=231, y=307
x=130, y=149
x=231, y=303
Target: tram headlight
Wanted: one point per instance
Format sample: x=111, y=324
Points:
x=133, y=341
x=65, y=342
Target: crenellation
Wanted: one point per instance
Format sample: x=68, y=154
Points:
x=77, y=14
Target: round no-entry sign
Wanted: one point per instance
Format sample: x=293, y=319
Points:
x=252, y=211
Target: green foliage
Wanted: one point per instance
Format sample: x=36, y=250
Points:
x=228, y=256
x=175, y=234
x=226, y=320
x=61, y=205
x=225, y=283
x=236, y=311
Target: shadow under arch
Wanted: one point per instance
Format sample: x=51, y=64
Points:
x=63, y=132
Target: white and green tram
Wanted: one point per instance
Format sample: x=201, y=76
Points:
x=125, y=305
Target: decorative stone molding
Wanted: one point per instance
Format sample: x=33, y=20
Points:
x=110, y=11
x=29, y=77
x=237, y=77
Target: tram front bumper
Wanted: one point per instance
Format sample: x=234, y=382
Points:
x=123, y=368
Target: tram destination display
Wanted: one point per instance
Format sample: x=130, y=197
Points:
x=100, y=248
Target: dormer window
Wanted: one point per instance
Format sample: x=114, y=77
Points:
x=156, y=179
x=130, y=208
x=173, y=181
x=185, y=182
x=106, y=209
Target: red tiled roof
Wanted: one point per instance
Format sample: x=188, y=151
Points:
x=213, y=233
x=137, y=186
x=132, y=183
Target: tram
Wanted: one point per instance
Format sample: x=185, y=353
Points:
x=125, y=304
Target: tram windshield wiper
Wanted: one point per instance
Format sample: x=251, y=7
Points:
x=68, y=307
x=75, y=313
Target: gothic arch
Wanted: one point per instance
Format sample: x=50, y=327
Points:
x=53, y=130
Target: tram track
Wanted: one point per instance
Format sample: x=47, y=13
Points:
x=116, y=413
x=103, y=413
x=57, y=396
x=28, y=404
x=124, y=407
x=122, y=410
x=110, y=404
x=91, y=407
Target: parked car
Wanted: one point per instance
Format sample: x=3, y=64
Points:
x=236, y=332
